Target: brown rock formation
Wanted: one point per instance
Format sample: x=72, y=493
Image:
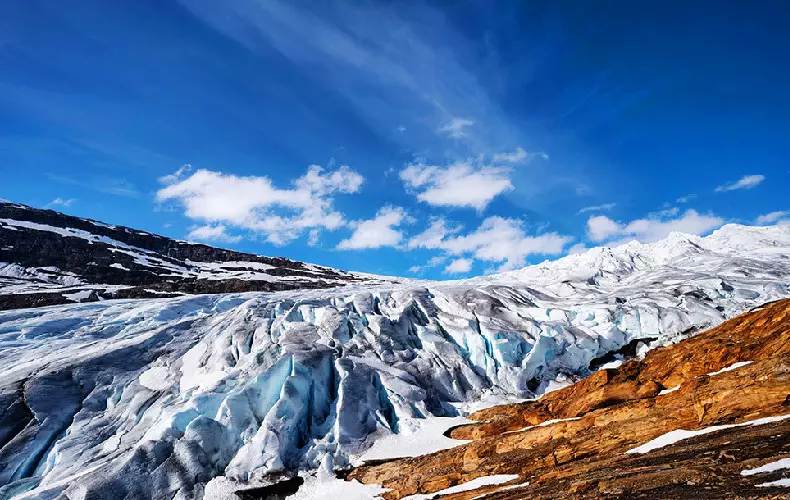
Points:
x=582, y=454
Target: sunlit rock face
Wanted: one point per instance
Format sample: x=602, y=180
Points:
x=156, y=397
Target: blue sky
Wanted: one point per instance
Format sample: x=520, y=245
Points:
x=432, y=140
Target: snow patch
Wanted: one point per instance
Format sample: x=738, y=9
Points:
x=779, y=482
x=467, y=486
x=780, y=464
x=426, y=436
x=730, y=368
x=667, y=391
x=673, y=437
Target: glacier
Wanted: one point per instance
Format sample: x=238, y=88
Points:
x=168, y=397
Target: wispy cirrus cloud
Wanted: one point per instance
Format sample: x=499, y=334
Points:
x=384, y=60
x=60, y=202
x=596, y=208
x=520, y=155
x=456, y=127
x=685, y=199
x=745, y=182
x=107, y=185
x=254, y=204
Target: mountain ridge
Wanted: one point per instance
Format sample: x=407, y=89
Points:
x=44, y=248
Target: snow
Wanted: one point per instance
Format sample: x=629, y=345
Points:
x=155, y=378
x=169, y=397
x=327, y=487
x=780, y=464
x=79, y=295
x=426, y=437
x=468, y=486
x=119, y=266
x=673, y=437
x=667, y=391
x=545, y=424
x=504, y=488
x=779, y=482
x=733, y=366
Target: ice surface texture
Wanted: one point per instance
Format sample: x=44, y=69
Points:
x=153, y=398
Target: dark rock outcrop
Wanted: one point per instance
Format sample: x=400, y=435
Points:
x=149, y=265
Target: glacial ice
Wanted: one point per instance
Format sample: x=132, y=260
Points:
x=189, y=396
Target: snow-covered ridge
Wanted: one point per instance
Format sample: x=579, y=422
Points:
x=42, y=251
x=170, y=397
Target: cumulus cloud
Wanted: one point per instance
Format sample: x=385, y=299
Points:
x=597, y=208
x=462, y=184
x=216, y=233
x=456, y=127
x=601, y=228
x=497, y=239
x=745, y=182
x=779, y=217
x=459, y=266
x=381, y=231
x=253, y=203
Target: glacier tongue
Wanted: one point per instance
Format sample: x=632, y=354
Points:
x=154, y=398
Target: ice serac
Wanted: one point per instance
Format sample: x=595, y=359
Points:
x=168, y=397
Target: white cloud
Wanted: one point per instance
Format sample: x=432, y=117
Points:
x=60, y=202
x=108, y=185
x=456, y=127
x=461, y=184
x=745, y=182
x=779, y=217
x=666, y=212
x=313, y=237
x=216, y=233
x=459, y=266
x=597, y=208
x=686, y=199
x=175, y=176
x=253, y=203
x=600, y=228
x=497, y=239
x=432, y=262
x=577, y=248
x=517, y=156
x=433, y=236
x=378, y=232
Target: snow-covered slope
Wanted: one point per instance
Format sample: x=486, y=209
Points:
x=177, y=397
